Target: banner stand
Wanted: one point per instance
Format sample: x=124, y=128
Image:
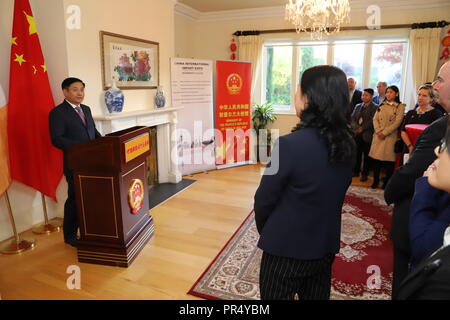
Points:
x=231, y=165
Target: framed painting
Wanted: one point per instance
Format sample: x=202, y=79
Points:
x=132, y=63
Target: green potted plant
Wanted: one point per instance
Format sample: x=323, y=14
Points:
x=263, y=115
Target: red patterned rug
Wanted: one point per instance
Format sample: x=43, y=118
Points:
x=362, y=269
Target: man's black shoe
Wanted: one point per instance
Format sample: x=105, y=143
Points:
x=72, y=242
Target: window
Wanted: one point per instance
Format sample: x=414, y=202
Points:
x=387, y=62
x=350, y=58
x=366, y=60
x=310, y=56
x=279, y=77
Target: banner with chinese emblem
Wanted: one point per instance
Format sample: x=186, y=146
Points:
x=233, y=113
x=444, y=50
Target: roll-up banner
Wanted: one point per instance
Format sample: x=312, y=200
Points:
x=233, y=113
x=444, y=50
x=192, y=89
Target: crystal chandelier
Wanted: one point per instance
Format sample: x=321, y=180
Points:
x=318, y=16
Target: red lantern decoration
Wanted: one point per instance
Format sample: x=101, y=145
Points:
x=233, y=49
x=233, y=46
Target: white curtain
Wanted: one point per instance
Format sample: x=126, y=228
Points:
x=250, y=49
x=425, y=54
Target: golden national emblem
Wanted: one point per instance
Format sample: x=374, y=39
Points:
x=136, y=195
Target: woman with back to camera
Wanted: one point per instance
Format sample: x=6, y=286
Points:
x=299, y=201
x=386, y=122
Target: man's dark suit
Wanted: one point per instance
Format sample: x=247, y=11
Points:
x=362, y=117
x=67, y=129
x=400, y=191
x=429, y=280
x=356, y=99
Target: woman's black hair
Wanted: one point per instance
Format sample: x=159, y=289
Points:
x=328, y=110
x=396, y=90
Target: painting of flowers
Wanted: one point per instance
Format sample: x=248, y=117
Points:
x=134, y=62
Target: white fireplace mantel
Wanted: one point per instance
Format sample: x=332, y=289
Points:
x=165, y=120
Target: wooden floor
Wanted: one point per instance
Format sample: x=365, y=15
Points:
x=190, y=229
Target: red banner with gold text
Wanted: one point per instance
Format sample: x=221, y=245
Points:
x=233, y=112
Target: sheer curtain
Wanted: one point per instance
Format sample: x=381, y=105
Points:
x=250, y=49
x=425, y=54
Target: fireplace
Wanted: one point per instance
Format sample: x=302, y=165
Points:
x=152, y=159
x=164, y=123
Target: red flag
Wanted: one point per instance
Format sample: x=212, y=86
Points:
x=33, y=159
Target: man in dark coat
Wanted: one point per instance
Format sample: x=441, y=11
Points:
x=362, y=124
x=400, y=188
x=71, y=123
x=355, y=94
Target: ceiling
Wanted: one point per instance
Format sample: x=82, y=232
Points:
x=220, y=5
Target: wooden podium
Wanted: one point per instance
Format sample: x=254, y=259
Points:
x=111, y=191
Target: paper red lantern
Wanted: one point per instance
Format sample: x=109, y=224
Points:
x=233, y=46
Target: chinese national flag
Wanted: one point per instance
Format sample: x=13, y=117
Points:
x=33, y=159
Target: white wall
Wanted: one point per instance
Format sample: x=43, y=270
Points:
x=150, y=20
x=77, y=53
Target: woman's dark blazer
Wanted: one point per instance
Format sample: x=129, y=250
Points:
x=298, y=209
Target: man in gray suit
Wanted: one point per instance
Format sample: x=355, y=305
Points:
x=362, y=123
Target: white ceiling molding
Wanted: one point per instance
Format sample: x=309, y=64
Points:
x=188, y=12
x=279, y=12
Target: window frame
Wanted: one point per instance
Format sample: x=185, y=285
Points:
x=330, y=42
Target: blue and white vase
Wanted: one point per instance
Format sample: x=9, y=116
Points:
x=114, y=99
x=160, y=100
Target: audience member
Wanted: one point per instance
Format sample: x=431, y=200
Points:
x=435, y=104
x=424, y=114
x=362, y=124
x=430, y=209
x=400, y=188
x=429, y=278
x=300, y=232
x=381, y=89
x=386, y=122
x=354, y=94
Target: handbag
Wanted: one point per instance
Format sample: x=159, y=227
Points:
x=399, y=146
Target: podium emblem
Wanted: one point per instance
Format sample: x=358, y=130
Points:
x=136, y=195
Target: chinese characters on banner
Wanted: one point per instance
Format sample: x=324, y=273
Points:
x=233, y=112
x=444, y=50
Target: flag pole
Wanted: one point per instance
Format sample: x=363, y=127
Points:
x=47, y=227
x=16, y=245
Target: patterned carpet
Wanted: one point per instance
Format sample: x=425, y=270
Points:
x=361, y=271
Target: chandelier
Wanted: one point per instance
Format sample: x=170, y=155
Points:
x=318, y=16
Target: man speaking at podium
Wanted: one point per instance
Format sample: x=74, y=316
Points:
x=71, y=123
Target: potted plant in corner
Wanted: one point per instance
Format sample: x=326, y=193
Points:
x=263, y=115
